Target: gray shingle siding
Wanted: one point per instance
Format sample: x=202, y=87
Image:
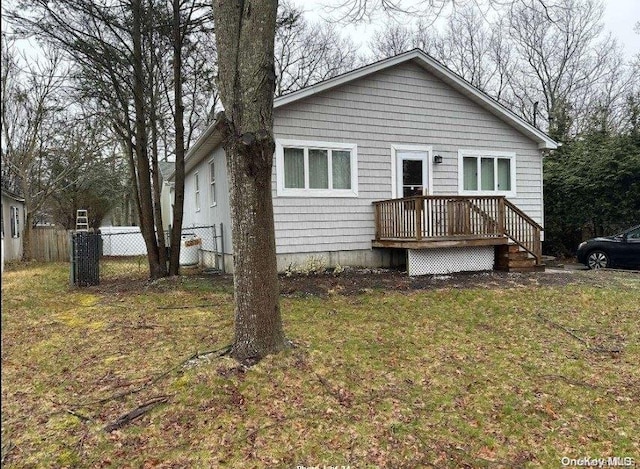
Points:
x=399, y=105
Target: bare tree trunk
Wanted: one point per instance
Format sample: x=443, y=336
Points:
x=245, y=33
x=147, y=226
x=26, y=236
x=155, y=170
x=178, y=204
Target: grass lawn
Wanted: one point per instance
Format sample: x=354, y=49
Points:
x=503, y=374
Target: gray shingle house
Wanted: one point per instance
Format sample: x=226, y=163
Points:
x=398, y=161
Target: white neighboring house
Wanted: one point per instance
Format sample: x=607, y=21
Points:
x=167, y=168
x=13, y=216
x=398, y=161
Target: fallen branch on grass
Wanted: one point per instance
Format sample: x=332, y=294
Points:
x=136, y=413
x=562, y=328
x=216, y=353
x=344, y=397
x=6, y=449
x=80, y=416
x=613, y=351
x=185, y=307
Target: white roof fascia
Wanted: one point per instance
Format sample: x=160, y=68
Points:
x=195, y=149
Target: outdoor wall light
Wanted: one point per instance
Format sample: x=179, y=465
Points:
x=437, y=159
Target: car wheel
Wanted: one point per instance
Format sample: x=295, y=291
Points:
x=597, y=260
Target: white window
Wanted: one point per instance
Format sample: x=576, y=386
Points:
x=196, y=185
x=316, y=169
x=212, y=184
x=15, y=222
x=486, y=172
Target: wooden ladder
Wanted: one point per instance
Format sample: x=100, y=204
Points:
x=82, y=220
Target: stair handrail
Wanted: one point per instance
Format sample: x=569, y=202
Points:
x=536, y=249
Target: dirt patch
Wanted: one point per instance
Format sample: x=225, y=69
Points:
x=359, y=281
x=366, y=280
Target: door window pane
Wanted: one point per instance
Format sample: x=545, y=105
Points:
x=412, y=172
x=341, y=169
x=318, y=169
x=504, y=174
x=294, y=168
x=470, y=174
x=487, y=182
x=412, y=183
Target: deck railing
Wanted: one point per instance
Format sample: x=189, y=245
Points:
x=456, y=218
x=523, y=230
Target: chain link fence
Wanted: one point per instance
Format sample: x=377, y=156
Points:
x=123, y=253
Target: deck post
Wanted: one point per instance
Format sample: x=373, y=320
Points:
x=419, y=210
x=501, y=216
x=377, y=219
x=538, y=245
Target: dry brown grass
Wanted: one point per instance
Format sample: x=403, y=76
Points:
x=451, y=377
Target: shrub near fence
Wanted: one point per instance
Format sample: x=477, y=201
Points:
x=50, y=244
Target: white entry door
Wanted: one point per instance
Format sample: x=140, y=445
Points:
x=412, y=173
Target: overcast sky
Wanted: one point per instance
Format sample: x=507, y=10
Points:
x=620, y=18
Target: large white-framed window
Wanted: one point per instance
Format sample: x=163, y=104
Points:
x=15, y=222
x=212, y=184
x=196, y=186
x=316, y=169
x=486, y=172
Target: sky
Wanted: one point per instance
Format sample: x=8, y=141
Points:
x=620, y=18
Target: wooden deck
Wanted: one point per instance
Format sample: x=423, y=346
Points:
x=424, y=222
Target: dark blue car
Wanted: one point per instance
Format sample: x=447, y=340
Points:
x=621, y=250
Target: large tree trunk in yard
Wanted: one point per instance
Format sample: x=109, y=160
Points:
x=178, y=205
x=245, y=33
x=147, y=224
x=26, y=237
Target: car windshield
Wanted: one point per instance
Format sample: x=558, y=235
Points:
x=629, y=232
x=633, y=233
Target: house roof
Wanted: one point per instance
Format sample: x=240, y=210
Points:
x=210, y=139
x=437, y=69
x=166, y=169
x=13, y=196
x=10, y=189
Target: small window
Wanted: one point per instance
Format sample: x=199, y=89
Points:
x=294, y=168
x=341, y=169
x=196, y=183
x=470, y=174
x=487, y=172
x=212, y=183
x=15, y=222
x=317, y=169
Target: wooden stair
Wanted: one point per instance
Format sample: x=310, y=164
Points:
x=512, y=258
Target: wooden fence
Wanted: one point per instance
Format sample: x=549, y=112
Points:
x=50, y=244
